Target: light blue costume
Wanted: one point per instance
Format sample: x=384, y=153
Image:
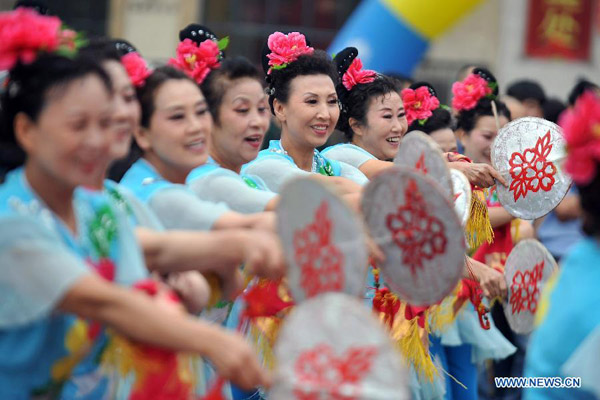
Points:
x=41, y=259
x=242, y=193
x=570, y=314
x=275, y=167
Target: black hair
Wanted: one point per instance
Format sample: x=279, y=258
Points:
x=527, y=90
x=355, y=102
x=38, y=5
x=28, y=87
x=580, y=88
x=467, y=119
x=401, y=80
x=99, y=50
x=317, y=63
x=440, y=118
x=589, y=196
x=553, y=108
x=219, y=80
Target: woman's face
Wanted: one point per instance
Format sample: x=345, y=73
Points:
x=311, y=112
x=126, y=117
x=243, y=121
x=71, y=139
x=384, y=127
x=178, y=134
x=478, y=142
x=445, y=139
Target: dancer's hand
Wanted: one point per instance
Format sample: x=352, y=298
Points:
x=478, y=174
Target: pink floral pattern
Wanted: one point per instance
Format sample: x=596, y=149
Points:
x=136, y=68
x=196, y=60
x=286, y=49
x=23, y=33
x=581, y=126
x=421, y=236
x=468, y=92
x=531, y=171
x=324, y=375
x=524, y=289
x=320, y=261
x=419, y=103
x=357, y=75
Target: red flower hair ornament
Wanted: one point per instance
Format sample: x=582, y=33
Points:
x=419, y=104
x=24, y=33
x=581, y=127
x=197, y=60
x=468, y=92
x=356, y=75
x=286, y=49
x=136, y=68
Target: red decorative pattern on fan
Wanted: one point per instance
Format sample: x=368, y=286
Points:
x=524, y=289
x=324, y=375
x=420, y=235
x=320, y=261
x=531, y=171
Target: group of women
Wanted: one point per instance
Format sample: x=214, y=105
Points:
x=141, y=193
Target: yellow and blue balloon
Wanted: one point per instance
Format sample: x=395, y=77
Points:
x=393, y=35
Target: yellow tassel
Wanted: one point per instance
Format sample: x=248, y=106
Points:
x=414, y=346
x=441, y=316
x=478, y=227
x=216, y=293
x=264, y=332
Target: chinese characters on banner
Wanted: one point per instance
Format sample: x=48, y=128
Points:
x=559, y=29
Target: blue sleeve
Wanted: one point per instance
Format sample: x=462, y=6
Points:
x=226, y=186
x=274, y=171
x=36, y=270
x=179, y=208
x=349, y=154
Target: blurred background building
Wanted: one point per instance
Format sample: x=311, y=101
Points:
x=553, y=41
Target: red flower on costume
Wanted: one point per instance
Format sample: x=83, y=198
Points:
x=321, y=262
x=468, y=92
x=196, y=60
x=320, y=371
x=531, y=170
x=524, y=289
x=419, y=103
x=23, y=33
x=286, y=49
x=420, y=235
x=581, y=126
x=136, y=68
x=356, y=75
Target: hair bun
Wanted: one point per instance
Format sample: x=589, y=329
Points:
x=344, y=59
x=488, y=76
x=40, y=6
x=124, y=47
x=197, y=33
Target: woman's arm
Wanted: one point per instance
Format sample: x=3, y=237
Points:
x=141, y=318
x=499, y=216
x=491, y=281
x=221, y=252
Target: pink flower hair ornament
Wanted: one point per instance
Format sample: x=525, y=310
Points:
x=24, y=33
x=136, y=68
x=581, y=127
x=468, y=92
x=357, y=75
x=197, y=60
x=419, y=104
x=286, y=49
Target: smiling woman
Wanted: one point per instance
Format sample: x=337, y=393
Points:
x=303, y=98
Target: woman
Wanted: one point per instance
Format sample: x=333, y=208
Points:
x=59, y=112
x=369, y=114
x=302, y=97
